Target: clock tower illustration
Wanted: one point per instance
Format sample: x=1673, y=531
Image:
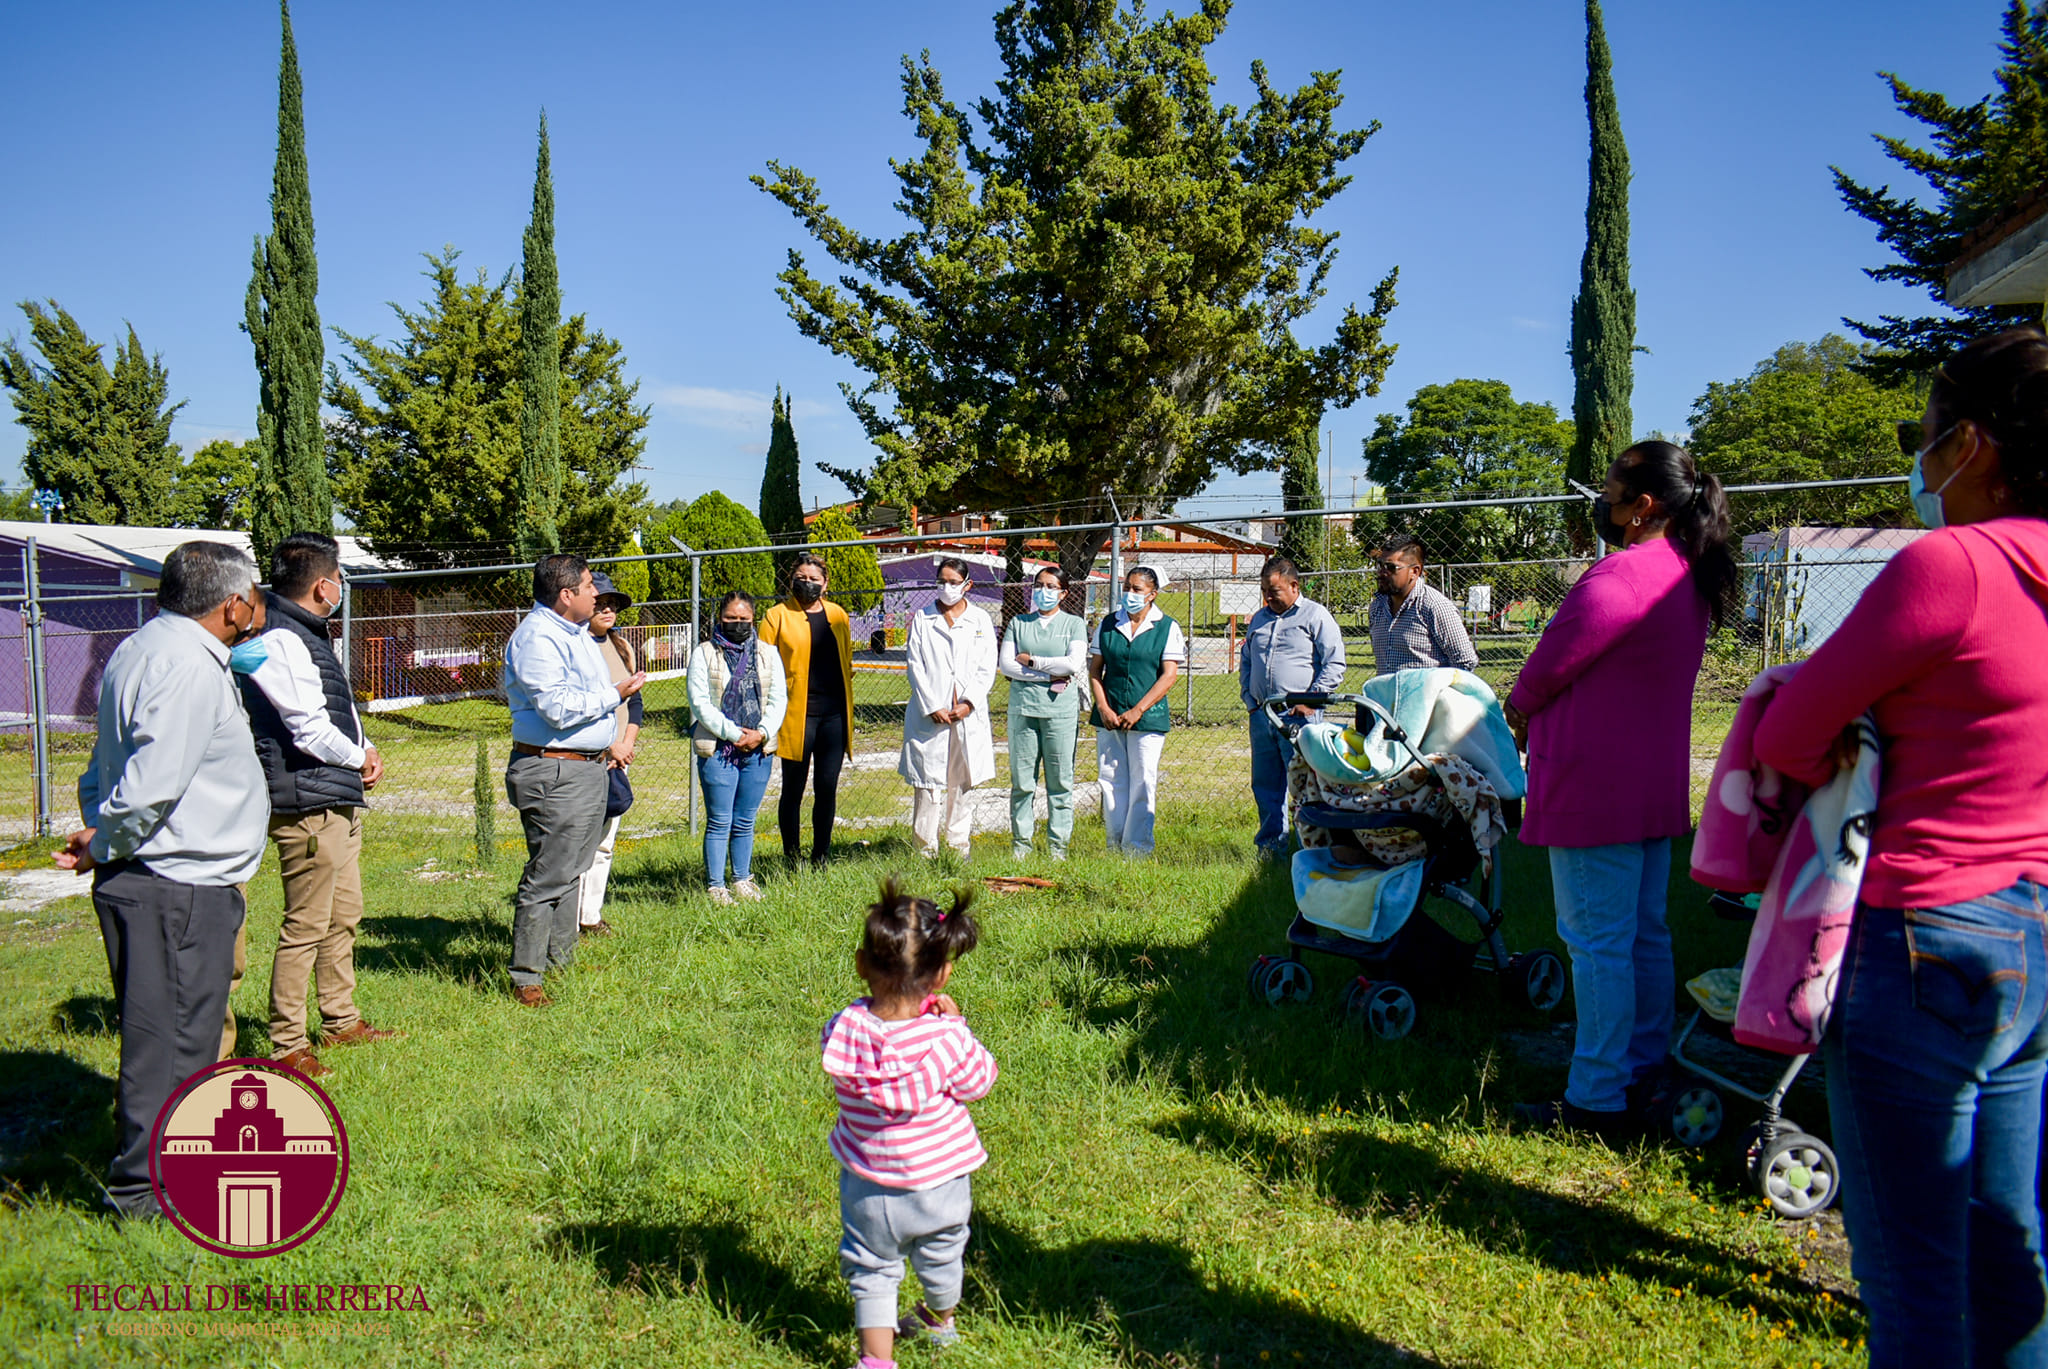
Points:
x=250, y=1158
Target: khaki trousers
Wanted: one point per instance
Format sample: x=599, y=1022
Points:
x=319, y=855
x=227, y=1028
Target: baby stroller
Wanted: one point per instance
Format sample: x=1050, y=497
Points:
x=1796, y=1173
x=1415, y=954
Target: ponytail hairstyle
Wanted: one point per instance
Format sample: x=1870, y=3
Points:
x=908, y=940
x=1692, y=505
x=2000, y=383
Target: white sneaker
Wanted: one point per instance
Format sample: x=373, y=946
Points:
x=719, y=897
x=746, y=890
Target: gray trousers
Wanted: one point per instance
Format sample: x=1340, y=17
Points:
x=170, y=953
x=561, y=806
x=880, y=1225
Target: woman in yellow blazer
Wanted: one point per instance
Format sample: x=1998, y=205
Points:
x=816, y=643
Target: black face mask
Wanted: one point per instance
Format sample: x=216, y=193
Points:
x=808, y=591
x=736, y=633
x=1611, y=532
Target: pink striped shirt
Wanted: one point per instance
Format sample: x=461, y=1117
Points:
x=903, y=1089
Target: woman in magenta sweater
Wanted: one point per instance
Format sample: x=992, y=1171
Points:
x=1605, y=705
x=1934, y=1050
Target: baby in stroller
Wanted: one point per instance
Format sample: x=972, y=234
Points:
x=1387, y=822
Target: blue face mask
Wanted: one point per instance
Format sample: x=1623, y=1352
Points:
x=244, y=659
x=1134, y=602
x=1045, y=600
x=1926, y=502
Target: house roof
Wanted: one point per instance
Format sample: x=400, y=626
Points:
x=141, y=551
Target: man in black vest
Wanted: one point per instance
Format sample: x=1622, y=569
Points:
x=319, y=766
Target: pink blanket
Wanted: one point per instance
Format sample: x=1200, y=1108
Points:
x=1811, y=847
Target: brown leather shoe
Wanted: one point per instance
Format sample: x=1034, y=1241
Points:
x=598, y=928
x=303, y=1061
x=358, y=1033
x=530, y=996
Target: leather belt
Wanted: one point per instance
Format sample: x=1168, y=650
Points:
x=554, y=754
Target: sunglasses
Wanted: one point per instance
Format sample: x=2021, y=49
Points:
x=1910, y=436
x=1393, y=567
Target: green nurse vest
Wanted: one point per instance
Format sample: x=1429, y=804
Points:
x=1130, y=669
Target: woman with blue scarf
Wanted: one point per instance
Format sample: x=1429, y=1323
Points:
x=737, y=706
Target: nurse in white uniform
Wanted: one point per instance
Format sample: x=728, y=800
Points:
x=948, y=747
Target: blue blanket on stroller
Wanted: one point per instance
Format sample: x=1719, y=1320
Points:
x=1365, y=902
x=1443, y=711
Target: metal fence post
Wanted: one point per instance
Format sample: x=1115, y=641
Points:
x=347, y=656
x=696, y=634
x=39, y=690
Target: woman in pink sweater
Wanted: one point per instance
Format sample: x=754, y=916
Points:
x=1604, y=704
x=1934, y=1051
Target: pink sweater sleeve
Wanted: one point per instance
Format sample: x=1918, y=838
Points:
x=1597, y=613
x=1909, y=620
x=974, y=1073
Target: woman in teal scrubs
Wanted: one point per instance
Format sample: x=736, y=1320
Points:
x=1045, y=656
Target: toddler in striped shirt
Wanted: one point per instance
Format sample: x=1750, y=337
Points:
x=905, y=1066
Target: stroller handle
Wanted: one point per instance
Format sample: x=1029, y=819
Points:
x=1276, y=710
x=1277, y=707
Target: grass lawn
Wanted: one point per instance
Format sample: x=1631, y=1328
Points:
x=638, y=1175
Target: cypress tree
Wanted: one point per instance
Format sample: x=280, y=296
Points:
x=484, y=801
x=540, y=372
x=782, y=498
x=283, y=323
x=1303, y=540
x=1604, y=311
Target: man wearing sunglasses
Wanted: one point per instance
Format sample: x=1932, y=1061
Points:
x=1415, y=626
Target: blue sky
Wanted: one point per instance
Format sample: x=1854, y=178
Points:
x=140, y=169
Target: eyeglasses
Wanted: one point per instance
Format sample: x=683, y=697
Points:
x=1394, y=567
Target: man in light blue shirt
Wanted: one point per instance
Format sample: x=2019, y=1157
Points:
x=1291, y=646
x=176, y=815
x=562, y=700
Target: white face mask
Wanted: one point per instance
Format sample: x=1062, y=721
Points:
x=1134, y=602
x=951, y=591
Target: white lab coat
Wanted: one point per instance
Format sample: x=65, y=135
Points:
x=948, y=664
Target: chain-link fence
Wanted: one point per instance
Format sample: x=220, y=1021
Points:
x=425, y=649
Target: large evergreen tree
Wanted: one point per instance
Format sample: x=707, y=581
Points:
x=540, y=373
x=710, y=523
x=1304, y=541
x=1604, y=311
x=101, y=439
x=1984, y=159
x=426, y=438
x=1096, y=294
x=283, y=323
x=782, y=497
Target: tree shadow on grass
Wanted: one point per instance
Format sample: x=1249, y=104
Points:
x=1148, y=1297
x=56, y=1127
x=1582, y=1236
x=474, y=949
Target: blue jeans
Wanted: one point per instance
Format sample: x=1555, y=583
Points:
x=1610, y=912
x=1934, y=1062
x=1270, y=753
x=732, y=796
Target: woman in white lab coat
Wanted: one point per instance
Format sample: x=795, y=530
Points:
x=947, y=745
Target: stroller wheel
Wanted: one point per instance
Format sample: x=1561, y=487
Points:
x=1753, y=1141
x=1797, y=1175
x=1282, y=981
x=1258, y=970
x=1696, y=1115
x=1384, y=1007
x=1537, y=978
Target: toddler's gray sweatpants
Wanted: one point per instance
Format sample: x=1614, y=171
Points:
x=881, y=1225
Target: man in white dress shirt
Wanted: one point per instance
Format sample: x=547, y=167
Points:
x=562, y=699
x=175, y=808
x=319, y=766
